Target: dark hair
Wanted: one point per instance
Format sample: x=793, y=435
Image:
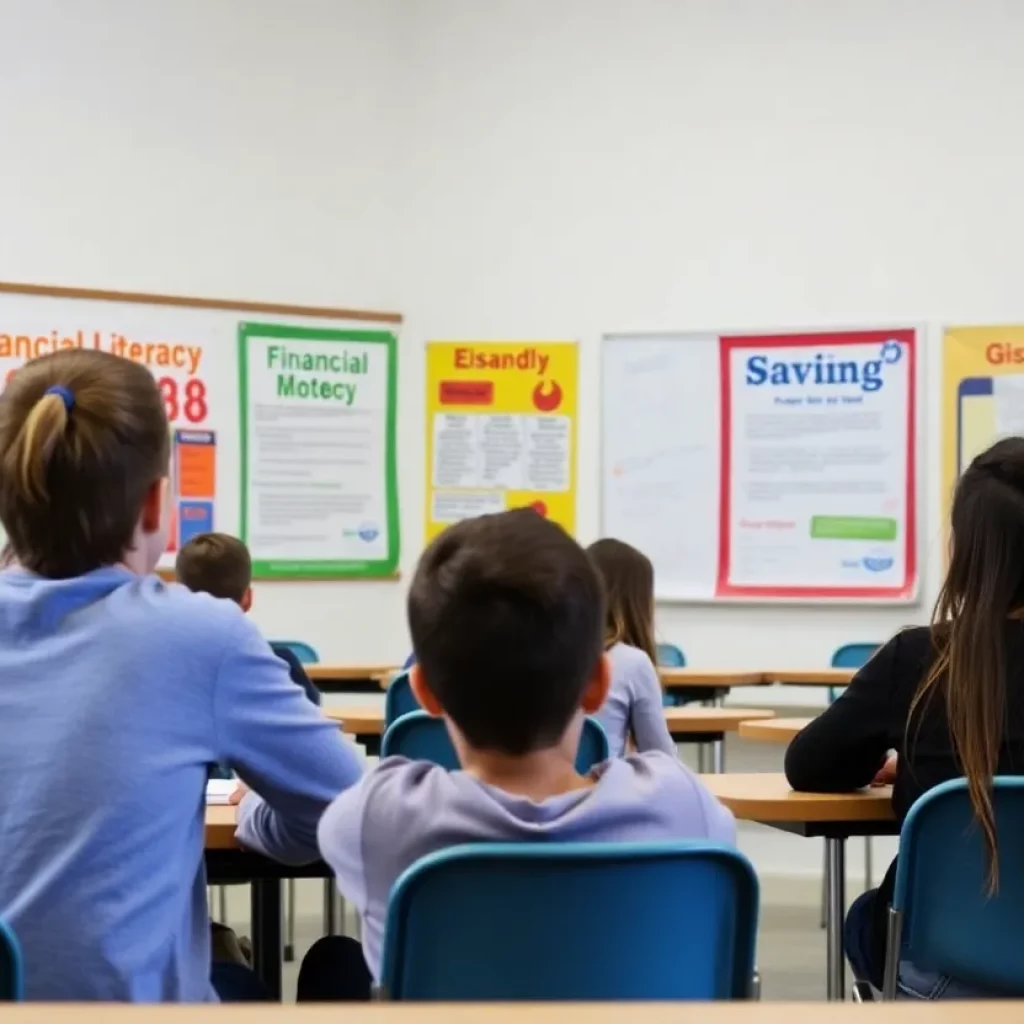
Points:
x=217, y=564
x=506, y=614
x=628, y=578
x=984, y=587
x=76, y=463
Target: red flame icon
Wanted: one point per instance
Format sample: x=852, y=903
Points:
x=547, y=402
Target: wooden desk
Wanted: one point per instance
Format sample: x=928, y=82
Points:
x=816, y=677
x=767, y=798
x=227, y=861
x=700, y=684
x=506, y=1013
x=776, y=730
x=351, y=678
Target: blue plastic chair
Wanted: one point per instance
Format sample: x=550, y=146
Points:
x=941, y=918
x=303, y=651
x=579, y=921
x=399, y=699
x=12, y=976
x=670, y=656
x=421, y=737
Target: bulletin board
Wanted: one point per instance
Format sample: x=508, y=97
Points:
x=261, y=399
x=773, y=466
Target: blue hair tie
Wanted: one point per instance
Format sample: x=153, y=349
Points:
x=65, y=395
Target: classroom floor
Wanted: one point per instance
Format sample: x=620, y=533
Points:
x=791, y=944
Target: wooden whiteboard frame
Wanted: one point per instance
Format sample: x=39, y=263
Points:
x=229, y=305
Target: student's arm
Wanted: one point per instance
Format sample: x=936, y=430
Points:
x=647, y=711
x=281, y=746
x=843, y=748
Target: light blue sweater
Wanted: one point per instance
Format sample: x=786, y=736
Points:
x=116, y=693
x=634, y=706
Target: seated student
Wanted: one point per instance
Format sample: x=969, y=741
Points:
x=220, y=565
x=634, y=708
x=507, y=620
x=949, y=698
x=123, y=690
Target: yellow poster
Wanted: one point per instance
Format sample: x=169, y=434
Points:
x=982, y=395
x=501, y=430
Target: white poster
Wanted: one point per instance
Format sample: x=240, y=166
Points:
x=818, y=459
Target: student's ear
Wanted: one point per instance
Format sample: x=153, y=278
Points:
x=246, y=602
x=422, y=692
x=155, y=506
x=596, y=692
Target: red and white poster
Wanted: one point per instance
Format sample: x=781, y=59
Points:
x=765, y=466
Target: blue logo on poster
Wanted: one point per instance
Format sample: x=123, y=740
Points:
x=877, y=561
x=892, y=351
x=368, y=532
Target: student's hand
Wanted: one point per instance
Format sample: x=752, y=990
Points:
x=886, y=775
x=240, y=790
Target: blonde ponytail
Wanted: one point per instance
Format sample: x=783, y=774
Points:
x=44, y=428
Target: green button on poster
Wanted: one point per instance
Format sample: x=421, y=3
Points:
x=319, y=475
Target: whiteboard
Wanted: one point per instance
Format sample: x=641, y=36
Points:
x=191, y=346
x=660, y=465
x=772, y=466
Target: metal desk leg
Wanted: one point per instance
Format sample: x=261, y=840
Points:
x=702, y=759
x=266, y=933
x=330, y=909
x=718, y=756
x=835, y=855
x=867, y=863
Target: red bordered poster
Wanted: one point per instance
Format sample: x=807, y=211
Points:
x=818, y=484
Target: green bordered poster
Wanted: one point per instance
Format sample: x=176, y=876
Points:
x=319, y=474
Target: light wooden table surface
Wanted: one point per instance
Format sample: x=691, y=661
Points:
x=767, y=797
x=348, y=673
x=220, y=828
x=816, y=677
x=775, y=730
x=363, y=721
x=682, y=677
x=517, y=1013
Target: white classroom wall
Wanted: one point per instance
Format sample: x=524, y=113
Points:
x=505, y=169
x=529, y=169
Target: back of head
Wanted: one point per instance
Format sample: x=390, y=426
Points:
x=628, y=578
x=506, y=614
x=217, y=564
x=83, y=439
x=982, y=593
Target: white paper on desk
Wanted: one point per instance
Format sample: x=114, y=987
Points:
x=218, y=790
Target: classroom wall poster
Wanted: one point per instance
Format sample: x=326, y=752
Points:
x=319, y=475
x=818, y=465
x=982, y=396
x=197, y=402
x=501, y=430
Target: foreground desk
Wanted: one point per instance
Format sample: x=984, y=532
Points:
x=685, y=725
x=775, y=730
x=517, y=1013
x=767, y=798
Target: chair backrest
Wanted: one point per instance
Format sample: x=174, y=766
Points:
x=421, y=737
x=853, y=655
x=950, y=925
x=670, y=656
x=580, y=921
x=303, y=651
x=11, y=974
x=399, y=699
